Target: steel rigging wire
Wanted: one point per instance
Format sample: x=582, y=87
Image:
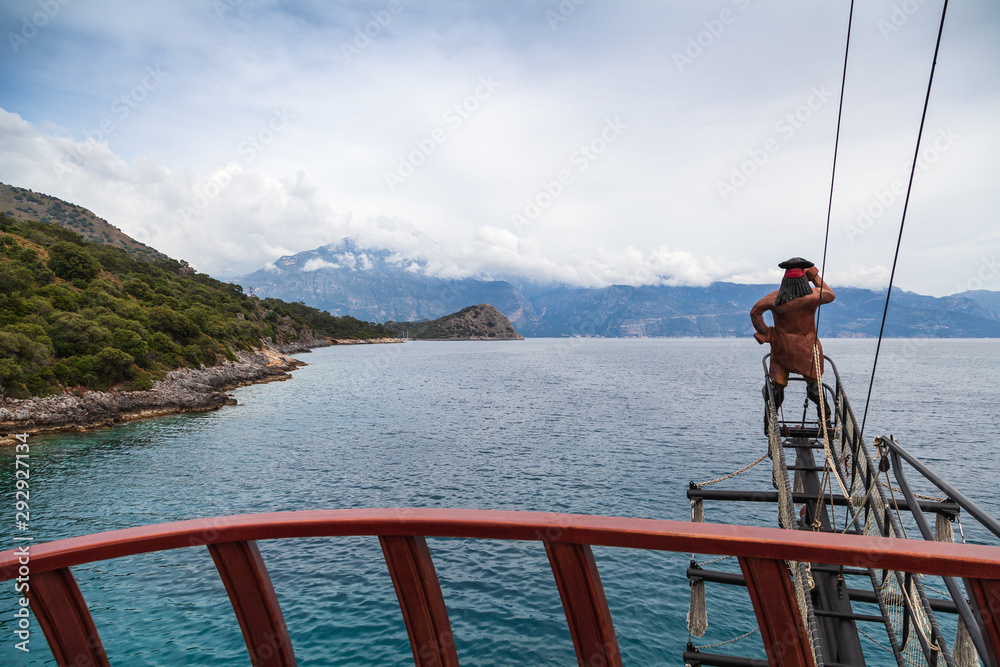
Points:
x=833, y=172
x=902, y=222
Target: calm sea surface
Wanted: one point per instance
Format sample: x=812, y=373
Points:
x=614, y=427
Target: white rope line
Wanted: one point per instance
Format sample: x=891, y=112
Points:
x=915, y=495
x=822, y=418
x=935, y=589
x=875, y=641
x=918, y=623
x=713, y=562
x=733, y=474
x=728, y=641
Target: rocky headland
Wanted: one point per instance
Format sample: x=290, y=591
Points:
x=482, y=322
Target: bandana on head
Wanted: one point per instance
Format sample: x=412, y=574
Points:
x=794, y=284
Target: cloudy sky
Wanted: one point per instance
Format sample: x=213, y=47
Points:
x=582, y=141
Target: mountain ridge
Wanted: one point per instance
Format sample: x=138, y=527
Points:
x=21, y=204
x=381, y=285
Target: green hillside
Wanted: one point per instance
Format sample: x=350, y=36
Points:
x=482, y=322
x=22, y=204
x=81, y=314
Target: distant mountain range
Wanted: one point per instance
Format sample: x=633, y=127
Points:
x=379, y=286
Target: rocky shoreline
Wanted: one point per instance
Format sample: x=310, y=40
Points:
x=182, y=390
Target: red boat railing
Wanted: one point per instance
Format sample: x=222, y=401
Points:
x=72, y=635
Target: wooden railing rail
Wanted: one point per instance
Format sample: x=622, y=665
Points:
x=62, y=612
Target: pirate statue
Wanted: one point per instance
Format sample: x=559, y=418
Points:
x=793, y=335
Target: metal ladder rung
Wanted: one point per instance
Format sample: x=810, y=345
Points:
x=854, y=594
x=852, y=617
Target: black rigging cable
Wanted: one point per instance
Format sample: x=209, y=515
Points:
x=833, y=171
x=902, y=222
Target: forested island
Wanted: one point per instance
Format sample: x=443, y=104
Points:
x=482, y=322
x=92, y=334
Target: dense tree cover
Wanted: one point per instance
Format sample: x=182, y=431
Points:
x=323, y=323
x=472, y=321
x=74, y=313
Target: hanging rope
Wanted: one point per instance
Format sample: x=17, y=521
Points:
x=902, y=222
x=697, y=616
x=827, y=453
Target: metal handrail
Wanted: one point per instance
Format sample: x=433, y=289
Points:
x=952, y=585
x=896, y=452
x=853, y=439
x=954, y=494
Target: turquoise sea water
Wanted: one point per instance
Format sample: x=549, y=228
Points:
x=614, y=427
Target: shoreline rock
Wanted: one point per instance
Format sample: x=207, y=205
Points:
x=182, y=390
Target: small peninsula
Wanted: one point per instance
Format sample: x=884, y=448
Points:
x=482, y=322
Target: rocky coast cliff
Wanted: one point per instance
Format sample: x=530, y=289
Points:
x=182, y=390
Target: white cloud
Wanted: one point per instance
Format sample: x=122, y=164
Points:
x=872, y=277
x=227, y=222
x=646, y=207
x=317, y=263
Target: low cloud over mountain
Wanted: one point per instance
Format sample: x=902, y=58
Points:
x=347, y=278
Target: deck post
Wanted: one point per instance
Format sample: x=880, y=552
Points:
x=984, y=595
x=586, y=607
x=255, y=603
x=420, y=600
x=778, y=615
x=65, y=620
